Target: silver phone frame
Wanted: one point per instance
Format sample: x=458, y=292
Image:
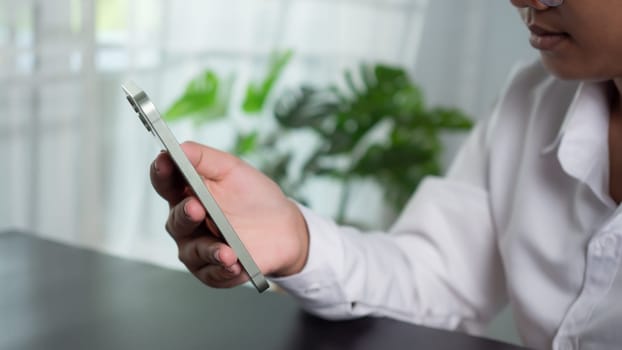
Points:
x=153, y=122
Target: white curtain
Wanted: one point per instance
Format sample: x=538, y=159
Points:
x=74, y=159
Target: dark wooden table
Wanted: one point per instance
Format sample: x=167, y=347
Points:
x=54, y=296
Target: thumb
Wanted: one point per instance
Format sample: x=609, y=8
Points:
x=209, y=162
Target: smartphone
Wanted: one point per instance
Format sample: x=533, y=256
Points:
x=153, y=122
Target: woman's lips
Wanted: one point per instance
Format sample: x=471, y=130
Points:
x=544, y=39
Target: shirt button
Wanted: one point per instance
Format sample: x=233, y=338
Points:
x=608, y=245
x=596, y=248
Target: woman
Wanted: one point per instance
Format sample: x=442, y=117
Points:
x=527, y=215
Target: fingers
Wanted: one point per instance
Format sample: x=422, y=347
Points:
x=166, y=179
x=218, y=277
x=200, y=248
x=185, y=218
x=198, y=252
x=212, y=262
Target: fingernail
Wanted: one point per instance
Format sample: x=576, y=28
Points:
x=217, y=255
x=155, y=166
x=186, y=211
x=230, y=269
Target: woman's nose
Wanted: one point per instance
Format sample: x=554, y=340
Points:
x=537, y=4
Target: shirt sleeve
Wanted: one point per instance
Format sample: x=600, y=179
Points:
x=439, y=265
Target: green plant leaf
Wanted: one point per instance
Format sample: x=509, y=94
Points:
x=257, y=93
x=395, y=76
x=306, y=107
x=450, y=118
x=349, y=78
x=246, y=143
x=368, y=76
x=203, y=99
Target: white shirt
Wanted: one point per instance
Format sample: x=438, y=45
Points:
x=523, y=216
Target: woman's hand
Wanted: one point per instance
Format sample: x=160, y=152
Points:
x=270, y=225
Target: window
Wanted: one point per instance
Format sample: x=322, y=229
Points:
x=77, y=164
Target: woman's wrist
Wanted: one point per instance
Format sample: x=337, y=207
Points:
x=301, y=240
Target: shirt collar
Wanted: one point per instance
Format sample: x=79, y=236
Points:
x=582, y=140
x=589, y=98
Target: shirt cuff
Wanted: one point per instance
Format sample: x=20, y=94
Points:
x=316, y=286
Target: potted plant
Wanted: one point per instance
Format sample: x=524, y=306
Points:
x=375, y=127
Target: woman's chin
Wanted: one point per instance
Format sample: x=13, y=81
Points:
x=566, y=70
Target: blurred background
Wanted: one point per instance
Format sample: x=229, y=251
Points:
x=75, y=159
